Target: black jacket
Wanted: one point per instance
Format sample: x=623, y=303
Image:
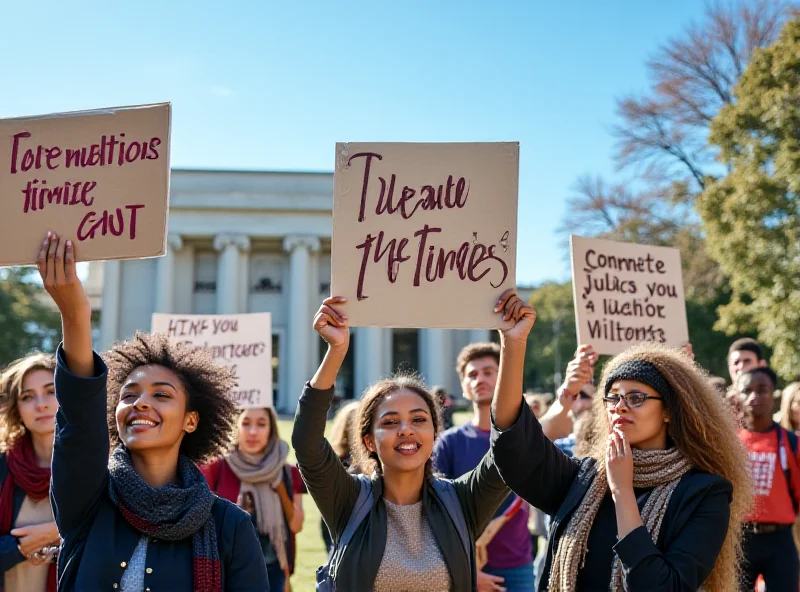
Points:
x=97, y=541
x=692, y=533
x=480, y=492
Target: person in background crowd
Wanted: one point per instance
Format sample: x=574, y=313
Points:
x=341, y=437
x=28, y=534
x=417, y=532
x=653, y=507
x=768, y=546
x=538, y=404
x=509, y=564
x=790, y=407
x=255, y=474
x=143, y=518
x=743, y=355
x=446, y=402
x=720, y=385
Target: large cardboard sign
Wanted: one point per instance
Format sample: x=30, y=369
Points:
x=424, y=235
x=627, y=293
x=243, y=342
x=99, y=178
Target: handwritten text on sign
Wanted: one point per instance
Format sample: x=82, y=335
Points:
x=242, y=342
x=418, y=227
x=627, y=293
x=99, y=178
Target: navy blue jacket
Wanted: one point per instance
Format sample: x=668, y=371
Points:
x=9, y=545
x=97, y=542
x=692, y=533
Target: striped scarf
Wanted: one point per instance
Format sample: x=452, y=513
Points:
x=661, y=469
x=170, y=513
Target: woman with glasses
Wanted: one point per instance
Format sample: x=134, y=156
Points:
x=658, y=502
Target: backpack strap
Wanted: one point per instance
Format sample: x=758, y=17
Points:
x=360, y=511
x=791, y=437
x=447, y=493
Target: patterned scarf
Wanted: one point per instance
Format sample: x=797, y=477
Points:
x=171, y=513
x=260, y=476
x=25, y=473
x=661, y=469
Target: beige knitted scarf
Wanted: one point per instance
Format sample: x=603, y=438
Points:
x=260, y=476
x=661, y=469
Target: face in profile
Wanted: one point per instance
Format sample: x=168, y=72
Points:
x=642, y=419
x=480, y=378
x=403, y=432
x=37, y=404
x=153, y=410
x=254, y=430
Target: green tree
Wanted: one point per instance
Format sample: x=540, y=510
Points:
x=26, y=323
x=553, y=341
x=752, y=214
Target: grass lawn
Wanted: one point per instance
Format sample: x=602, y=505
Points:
x=310, y=546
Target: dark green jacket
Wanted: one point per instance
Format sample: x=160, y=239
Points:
x=480, y=492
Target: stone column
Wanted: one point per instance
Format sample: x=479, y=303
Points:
x=301, y=310
x=165, y=276
x=434, y=353
x=229, y=247
x=480, y=336
x=369, y=361
x=112, y=294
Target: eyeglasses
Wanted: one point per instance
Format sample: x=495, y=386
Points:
x=632, y=399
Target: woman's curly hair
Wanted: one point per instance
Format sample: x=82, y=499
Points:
x=11, y=380
x=703, y=428
x=207, y=384
x=365, y=417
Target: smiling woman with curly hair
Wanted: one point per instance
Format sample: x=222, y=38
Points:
x=658, y=503
x=144, y=518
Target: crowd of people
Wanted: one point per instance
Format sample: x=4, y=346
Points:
x=135, y=471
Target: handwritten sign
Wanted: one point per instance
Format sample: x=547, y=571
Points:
x=99, y=178
x=424, y=235
x=243, y=342
x=627, y=293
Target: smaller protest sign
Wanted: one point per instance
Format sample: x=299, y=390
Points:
x=424, y=235
x=242, y=342
x=98, y=178
x=627, y=293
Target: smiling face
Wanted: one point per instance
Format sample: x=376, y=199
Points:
x=403, y=432
x=479, y=380
x=37, y=403
x=645, y=426
x=255, y=428
x=152, y=412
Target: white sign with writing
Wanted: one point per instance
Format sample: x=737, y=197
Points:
x=626, y=293
x=241, y=341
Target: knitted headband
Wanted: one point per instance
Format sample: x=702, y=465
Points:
x=640, y=371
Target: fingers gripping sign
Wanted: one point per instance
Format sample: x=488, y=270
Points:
x=332, y=324
x=56, y=264
x=516, y=311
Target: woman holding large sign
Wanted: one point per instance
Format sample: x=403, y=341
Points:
x=402, y=528
x=659, y=501
x=143, y=518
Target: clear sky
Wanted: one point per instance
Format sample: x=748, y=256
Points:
x=268, y=85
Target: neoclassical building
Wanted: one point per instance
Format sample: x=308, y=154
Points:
x=260, y=242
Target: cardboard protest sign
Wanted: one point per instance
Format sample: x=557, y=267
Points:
x=627, y=293
x=424, y=235
x=98, y=178
x=242, y=341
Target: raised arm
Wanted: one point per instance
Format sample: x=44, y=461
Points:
x=557, y=422
x=333, y=489
x=80, y=450
x=481, y=491
x=527, y=460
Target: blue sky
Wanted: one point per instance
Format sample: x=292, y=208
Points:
x=268, y=85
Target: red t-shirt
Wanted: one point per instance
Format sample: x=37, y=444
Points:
x=772, y=502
